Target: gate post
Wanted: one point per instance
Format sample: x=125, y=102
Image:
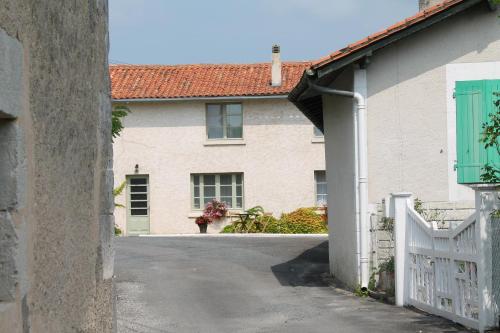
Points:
x=486, y=202
x=401, y=202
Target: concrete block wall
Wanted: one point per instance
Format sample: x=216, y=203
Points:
x=56, y=224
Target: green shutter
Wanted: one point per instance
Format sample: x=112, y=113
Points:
x=474, y=104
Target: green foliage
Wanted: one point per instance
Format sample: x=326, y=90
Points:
x=118, y=191
x=301, y=221
x=118, y=231
x=228, y=229
x=387, y=224
x=117, y=114
x=387, y=266
x=491, y=138
x=418, y=205
x=361, y=292
x=372, y=284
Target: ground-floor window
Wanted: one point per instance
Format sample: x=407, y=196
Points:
x=225, y=187
x=321, y=188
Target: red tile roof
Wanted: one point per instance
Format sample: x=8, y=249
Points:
x=184, y=81
x=410, y=21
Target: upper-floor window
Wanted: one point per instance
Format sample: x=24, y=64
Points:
x=321, y=188
x=224, y=121
x=225, y=187
x=317, y=132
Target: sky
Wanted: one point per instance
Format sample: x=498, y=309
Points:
x=243, y=31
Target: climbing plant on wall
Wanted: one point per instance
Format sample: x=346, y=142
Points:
x=491, y=138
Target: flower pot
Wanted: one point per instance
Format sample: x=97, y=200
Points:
x=203, y=228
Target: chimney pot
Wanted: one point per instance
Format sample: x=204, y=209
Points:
x=276, y=66
x=424, y=4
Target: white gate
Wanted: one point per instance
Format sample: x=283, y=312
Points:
x=447, y=272
x=442, y=269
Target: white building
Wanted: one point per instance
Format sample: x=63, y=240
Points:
x=399, y=131
x=198, y=132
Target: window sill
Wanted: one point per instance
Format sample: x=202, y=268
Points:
x=318, y=140
x=225, y=142
x=195, y=214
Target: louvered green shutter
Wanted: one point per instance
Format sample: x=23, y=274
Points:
x=475, y=101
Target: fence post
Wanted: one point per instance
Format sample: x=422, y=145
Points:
x=486, y=203
x=401, y=201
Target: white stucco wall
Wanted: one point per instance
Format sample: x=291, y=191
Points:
x=409, y=127
x=168, y=141
x=408, y=115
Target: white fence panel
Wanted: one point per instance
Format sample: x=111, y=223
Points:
x=446, y=272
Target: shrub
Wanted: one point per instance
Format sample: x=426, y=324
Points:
x=228, y=229
x=304, y=221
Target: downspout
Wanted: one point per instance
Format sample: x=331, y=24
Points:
x=362, y=149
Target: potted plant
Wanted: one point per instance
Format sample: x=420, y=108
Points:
x=203, y=222
x=214, y=211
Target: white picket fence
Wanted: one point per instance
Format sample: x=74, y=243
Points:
x=447, y=272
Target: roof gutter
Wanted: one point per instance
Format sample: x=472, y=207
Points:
x=361, y=165
x=180, y=99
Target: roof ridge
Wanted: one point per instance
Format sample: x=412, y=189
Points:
x=402, y=24
x=159, y=66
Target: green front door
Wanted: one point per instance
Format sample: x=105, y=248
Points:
x=137, y=205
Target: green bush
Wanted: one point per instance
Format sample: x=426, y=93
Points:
x=228, y=229
x=300, y=221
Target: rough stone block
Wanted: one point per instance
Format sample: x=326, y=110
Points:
x=8, y=272
x=11, y=72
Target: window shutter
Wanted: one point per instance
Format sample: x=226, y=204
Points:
x=475, y=101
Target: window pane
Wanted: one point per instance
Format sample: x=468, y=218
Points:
x=239, y=202
x=226, y=179
x=207, y=200
x=139, y=204
x=196, y=180
x=138, y=196
x=239, y=191
x=320, y=176
x=141, y=212
x=317, y=132
x=214, y=122
x=209, y=180
x=238, y=179
x=226, y=191
x=321, y=189
x=321, y=200
x=196, y=191
x=196, y=203
x=138, y=189
x=234, y=121
x=227, y=200
x=209, y=191
x=138, y=181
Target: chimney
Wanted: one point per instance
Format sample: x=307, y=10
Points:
x=276, y=67
x=424, y=4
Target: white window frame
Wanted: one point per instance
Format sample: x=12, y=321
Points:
x=316, y=188
x=217, y=190
x=224, y=120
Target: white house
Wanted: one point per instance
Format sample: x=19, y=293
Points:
x=388, y=110
x=198, y=132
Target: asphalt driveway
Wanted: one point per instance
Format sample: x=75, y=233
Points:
x=226, y=284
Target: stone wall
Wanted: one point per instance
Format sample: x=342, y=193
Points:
x=56, y=176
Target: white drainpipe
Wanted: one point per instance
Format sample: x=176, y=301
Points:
x=362, y=165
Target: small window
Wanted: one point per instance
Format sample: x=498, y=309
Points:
x=224, y=121
x=226, y=187
x=317, y=132
x=321, y=188
x=138, y=200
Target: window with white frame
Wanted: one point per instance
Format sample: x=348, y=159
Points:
x=225, y=187
x=321, y=188
x=224, y=121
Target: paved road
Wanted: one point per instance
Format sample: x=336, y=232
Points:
x=194, y=284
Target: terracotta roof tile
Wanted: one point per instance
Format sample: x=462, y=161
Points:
x=408, y=22
x=184, y=81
